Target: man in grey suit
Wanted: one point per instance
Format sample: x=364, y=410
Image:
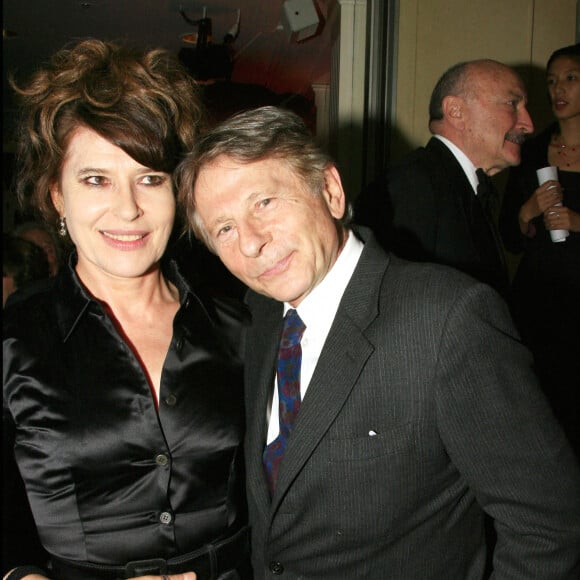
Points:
x=419, y=411
x=434, y=206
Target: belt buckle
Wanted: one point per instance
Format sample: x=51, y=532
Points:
x=153, y=567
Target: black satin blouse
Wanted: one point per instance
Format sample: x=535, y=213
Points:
x=110, y=477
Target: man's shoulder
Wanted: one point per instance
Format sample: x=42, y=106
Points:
x=407, y=279
x=423, y=163
x=428, y=275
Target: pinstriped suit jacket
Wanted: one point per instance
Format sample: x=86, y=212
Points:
x=422, y=412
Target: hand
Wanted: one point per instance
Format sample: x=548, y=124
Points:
x=561, y=218
x=543, y=198
x=185, y=576
x=30, y=577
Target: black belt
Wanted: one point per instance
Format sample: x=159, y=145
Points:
x=207, y=562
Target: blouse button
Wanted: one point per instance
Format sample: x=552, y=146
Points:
x=179, y=344
x=170, y=400
x=162, y=460
x=165, y=518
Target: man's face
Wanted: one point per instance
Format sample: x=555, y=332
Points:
x=267, y=226
x=496, y=119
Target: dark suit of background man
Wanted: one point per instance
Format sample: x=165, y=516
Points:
x=427, y=208
x=419, y=409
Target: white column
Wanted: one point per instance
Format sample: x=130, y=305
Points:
x=322, y=102
x=348, y=93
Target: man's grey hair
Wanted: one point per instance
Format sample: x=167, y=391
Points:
x=250, y=136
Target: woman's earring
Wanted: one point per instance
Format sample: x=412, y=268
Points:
x=62, y=227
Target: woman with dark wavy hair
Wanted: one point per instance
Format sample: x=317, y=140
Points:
x=122, y=386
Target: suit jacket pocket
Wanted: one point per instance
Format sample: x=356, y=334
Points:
x=375, y=443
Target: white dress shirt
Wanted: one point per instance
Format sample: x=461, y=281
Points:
x=317, y=311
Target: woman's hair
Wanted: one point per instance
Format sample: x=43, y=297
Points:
x=263, y=133
x=143, y=102
x=572, y=51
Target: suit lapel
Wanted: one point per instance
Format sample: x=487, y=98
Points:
x=261, y=353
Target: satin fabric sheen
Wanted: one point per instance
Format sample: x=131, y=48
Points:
x=110, y=479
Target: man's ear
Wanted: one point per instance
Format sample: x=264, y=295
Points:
x=454, y=110
x=57, y=198
x=334, y=193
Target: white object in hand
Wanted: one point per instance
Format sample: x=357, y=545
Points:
x=546, y=174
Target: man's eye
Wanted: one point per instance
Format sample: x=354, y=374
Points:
x=224, y=230
x=265, y=202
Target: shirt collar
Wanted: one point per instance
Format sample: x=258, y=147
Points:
x=320, y=306
x=73, y=301
x=466, y=164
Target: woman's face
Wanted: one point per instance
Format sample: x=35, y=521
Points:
x=119, y=214
x=563, y=80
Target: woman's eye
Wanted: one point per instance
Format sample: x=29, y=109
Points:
x=224, y=230
x=265, y=202
x=95, y=180
x=154, y=180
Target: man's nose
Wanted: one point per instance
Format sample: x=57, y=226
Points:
x=252, y=238
x=525, y=121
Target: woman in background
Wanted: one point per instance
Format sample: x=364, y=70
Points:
x=546, y=287
x=122, y=386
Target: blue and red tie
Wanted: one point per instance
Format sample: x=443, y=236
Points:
x=288, y=374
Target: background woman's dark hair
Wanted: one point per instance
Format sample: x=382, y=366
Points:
x=143, y=102
x=572, y=51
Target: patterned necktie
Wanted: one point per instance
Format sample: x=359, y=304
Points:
x=288, y=374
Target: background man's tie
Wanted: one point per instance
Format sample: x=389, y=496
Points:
x=486, y=193
x=489, y=200
x=288, y=374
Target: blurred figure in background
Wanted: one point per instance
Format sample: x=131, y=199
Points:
x=39, y=234
x=546, y=287
x=438, y=204
x=23, y=263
